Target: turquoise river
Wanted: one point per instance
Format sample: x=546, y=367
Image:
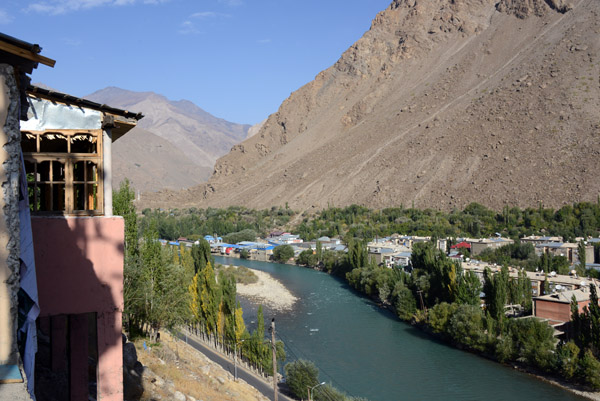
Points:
x=366, y=351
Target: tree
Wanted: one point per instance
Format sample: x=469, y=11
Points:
x=582, y=256
x=123, y=206
x=283, y=253
x=466, y=326
x=209, y=298
x=568, y=359
x=469, y=289
x=307, y=258
x=201, y=255
x=300, y=375
x=589, y=370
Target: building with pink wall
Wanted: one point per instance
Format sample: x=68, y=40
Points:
x=79, y=264
x=78, y=244
x=61, y=250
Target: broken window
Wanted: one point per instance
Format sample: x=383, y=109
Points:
x=63, y=170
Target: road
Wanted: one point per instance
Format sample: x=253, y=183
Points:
x=264, y=387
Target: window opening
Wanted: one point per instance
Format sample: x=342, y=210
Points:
x=63, y=176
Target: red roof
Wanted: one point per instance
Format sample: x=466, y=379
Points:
x=463, y=244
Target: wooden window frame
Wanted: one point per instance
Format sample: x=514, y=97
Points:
x=69, y=159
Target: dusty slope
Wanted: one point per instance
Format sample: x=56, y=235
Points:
x=148, y=161
x=440, y=104
x=194, y=138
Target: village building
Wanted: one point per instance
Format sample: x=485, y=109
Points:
x=556, y=307
x=479, y=245
x=570, y=250
x=66, y=242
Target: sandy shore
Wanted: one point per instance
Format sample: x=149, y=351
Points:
x=268, y=291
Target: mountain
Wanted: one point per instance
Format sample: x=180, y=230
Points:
x=440, y=104
x=174, y=146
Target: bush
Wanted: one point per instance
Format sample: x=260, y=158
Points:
x=589, y=370
x=300, y=375
x=283, y=253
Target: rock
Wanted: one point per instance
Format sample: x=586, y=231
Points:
x=133, y=387
x=221, y=380
x=158, y=381
x=179, y=396
x=129, y=355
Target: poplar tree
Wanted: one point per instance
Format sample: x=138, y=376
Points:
x=209, y=298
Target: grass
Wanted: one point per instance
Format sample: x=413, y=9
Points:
x=242, y=274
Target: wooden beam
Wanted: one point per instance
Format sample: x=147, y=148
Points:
x=29, y=55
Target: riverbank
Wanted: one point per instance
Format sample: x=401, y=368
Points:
x=268, y=291
x=541, y=376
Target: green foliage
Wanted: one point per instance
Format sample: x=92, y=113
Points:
x=466, y=326
x=533, y=341
x=589, y=370
x=439, y=317
x=495, y=288
x=209, y=298
x=244, y=235
x=300, y=375
x=201, y=255
x=568, y=360
x=283, y=253
x=405, y=304
x=196, y=223
x=307, y=258
x=469, y=289
x=123, y=206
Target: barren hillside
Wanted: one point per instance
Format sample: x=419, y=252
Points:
x=441, y=103
x=178, y=144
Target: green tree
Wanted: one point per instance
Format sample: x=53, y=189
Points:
x=589, y=370
x=568, y=360
x=201, y=255
x=123, y=206
x=209, y=298
x=283, y=253
x=469, y=289
x=300, y=375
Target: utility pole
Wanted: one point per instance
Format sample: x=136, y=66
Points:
x=274, y=359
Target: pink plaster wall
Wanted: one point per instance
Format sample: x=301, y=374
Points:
x=79, y=263
x=79, y=266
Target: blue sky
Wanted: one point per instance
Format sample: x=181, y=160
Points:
x=236, y=59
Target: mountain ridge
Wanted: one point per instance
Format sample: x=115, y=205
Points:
x=439, y=104
x=191, y=137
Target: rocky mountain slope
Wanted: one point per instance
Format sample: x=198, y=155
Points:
x=174, y=146
x=441, y=103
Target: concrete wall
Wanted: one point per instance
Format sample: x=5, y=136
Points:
x=79, y=265
x=556, y=311
x=10, y=142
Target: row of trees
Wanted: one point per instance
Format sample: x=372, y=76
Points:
x=570, y=221
x=445, y=300
x=239, y=223
x=170, y=286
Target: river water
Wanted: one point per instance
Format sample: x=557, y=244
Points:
x=366, y=351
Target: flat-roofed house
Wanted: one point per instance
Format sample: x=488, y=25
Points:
x=78, y=243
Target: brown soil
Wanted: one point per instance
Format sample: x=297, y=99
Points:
x=440, y=104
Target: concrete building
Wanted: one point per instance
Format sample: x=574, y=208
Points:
x=61, y=245
x=570, y=250
x=479, y=245
x=556, y=307
x=78, y=244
